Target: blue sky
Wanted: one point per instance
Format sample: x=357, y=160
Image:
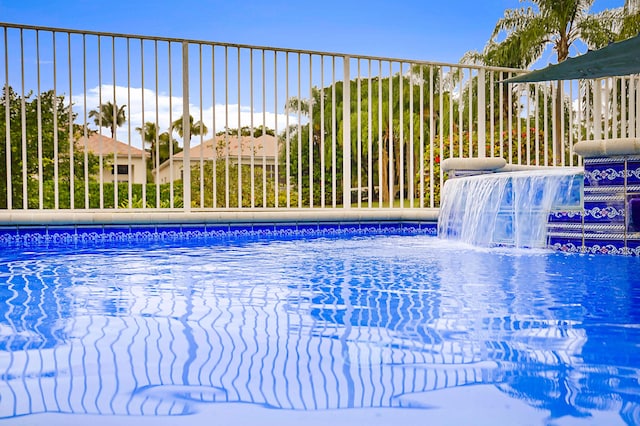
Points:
x=412, y=29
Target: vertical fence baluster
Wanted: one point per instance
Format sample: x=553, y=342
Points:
x=346, y=134
x=186, y=131
x=240, y=139
x=322, y=159
x=56, y=188
x=359, y=138
x=7, y=117
x=23, y=116
x=143, y=126
x=334, y=133
x=251, y=132
x=482, y=114
x=311, y=106
x=369, y=137
x=299, y=134
x=275, y=108
x=114, y=125
x=390, y=151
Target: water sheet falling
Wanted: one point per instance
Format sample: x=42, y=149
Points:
x=507, y=209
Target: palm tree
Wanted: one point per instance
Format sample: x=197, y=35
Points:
x=166, y=143
x=149, y=132
x=197, y=128
x=167, y=146
x=521, y=37
x=387, y=154
x=109, y=115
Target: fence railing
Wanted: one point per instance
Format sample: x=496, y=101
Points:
x=116, y=121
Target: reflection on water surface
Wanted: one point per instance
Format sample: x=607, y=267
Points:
x=319, y=324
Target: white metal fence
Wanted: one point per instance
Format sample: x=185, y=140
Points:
x=269, y=128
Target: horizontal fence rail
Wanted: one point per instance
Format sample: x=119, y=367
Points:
x=115, y=121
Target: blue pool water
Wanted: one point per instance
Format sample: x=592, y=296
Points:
x=337, y=330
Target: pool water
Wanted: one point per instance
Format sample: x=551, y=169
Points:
x=363, y=330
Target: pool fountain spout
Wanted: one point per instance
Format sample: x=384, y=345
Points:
x=507, y=209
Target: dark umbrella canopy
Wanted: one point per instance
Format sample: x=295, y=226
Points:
x=616, y=59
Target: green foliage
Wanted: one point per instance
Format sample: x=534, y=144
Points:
x=229, y=175
x=31, y=139
x=161, y=198
x=389, y=141
x=110, y=116
x=522, y=35
x=248, y=131
x=161, y=146
x=195, y=129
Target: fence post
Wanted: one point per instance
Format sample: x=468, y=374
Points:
x=346, y=135
x=7, y=110
x=7, y=127
x=482, y=115
x=597, y=109
x=186, y=129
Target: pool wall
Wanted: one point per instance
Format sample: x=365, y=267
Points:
x=44, y=227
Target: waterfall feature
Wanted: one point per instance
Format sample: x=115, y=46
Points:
x=507, y=209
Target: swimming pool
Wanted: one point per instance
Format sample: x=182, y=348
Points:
x=340, y=329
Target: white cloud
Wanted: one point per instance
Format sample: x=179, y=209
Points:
x=168, y=109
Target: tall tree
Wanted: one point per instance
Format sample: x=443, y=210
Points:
x=149, y=134
x=109, y=115
x=394, y=159
x=167, y=146
x=522, y=35
x=247, y=131
x=40, y=148
x=165, y=143
x=196, y=128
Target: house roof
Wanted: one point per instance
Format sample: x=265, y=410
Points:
x=101, y=144
x=214, y=148
x=265, y=145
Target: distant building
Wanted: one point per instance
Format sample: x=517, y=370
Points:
x=262, y=149
x=116, y=157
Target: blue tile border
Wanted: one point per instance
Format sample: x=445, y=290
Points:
x=593, y=246
x=11, y=236
x=612, y=174
x=633, y=172
x=604, y=211
x=633, y=247
x=566, y=245
x=566, y=216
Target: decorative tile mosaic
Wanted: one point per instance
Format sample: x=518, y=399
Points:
x=567, y=245
x=604, y=211
x=12, y=236
x=633, y=247
x=633, y=172
x=571, y=216
x=610, y=186
x=604, y=174
x=633, y=212
x=605, y=247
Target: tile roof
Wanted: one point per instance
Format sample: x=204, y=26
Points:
x=265, y=145
x=102, y=144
